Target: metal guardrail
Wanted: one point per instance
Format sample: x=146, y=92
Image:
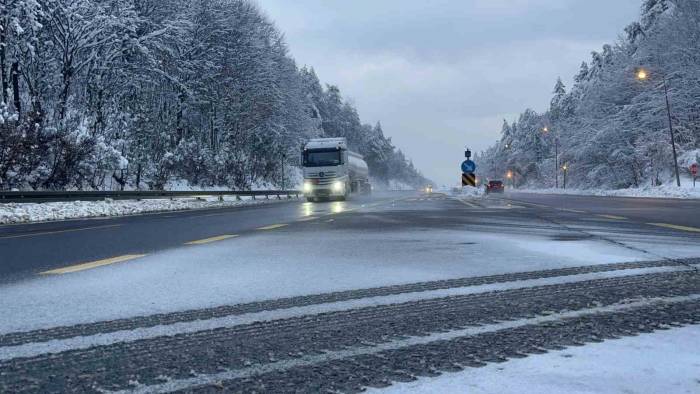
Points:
x=54, y=196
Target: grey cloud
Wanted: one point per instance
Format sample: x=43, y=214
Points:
x=443, y=73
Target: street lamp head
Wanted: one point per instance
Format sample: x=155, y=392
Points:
x=642, y=74
x=565, y=167
x=509, y=174
x=545, y=129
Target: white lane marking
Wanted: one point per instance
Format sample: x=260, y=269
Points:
x=202, y=379
x=84, y=342
x=50, y=232
x=467, y=203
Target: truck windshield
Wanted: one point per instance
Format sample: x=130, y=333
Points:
x=322, y=158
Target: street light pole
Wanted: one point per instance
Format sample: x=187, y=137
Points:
x=566, y=169
x=556, y=157
x=670, y=129
x=643, y=75
x=556, y=160
x=284, y=158
x=510, y=176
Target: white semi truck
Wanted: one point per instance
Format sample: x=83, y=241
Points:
x=331, y=171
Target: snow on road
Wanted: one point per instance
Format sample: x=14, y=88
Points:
x=30, y=212
x=665, y=191
x=282, y=264
x=290, y=262
x=660, y=362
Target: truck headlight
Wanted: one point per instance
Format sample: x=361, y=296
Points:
x=307, y=187
x=338, y=186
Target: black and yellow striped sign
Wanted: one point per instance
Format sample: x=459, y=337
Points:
x=469, y=179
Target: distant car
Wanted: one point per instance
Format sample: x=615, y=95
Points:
x=429, y=189
x=495, y=187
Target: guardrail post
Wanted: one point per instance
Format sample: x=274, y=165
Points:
x=221, y=198
x=267, y=197
x=238, y=198
x=253, y=196
x=278, y=197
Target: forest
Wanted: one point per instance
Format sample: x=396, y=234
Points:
x=611, y=128
x=143, y=94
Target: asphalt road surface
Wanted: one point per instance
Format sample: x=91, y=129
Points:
x=677, y=212
x=28, y=249
x=336, y=297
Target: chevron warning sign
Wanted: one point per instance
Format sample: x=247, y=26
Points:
x=469, y=179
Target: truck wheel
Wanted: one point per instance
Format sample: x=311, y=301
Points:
x=310, y=199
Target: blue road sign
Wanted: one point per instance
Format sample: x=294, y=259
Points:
x=468, y=166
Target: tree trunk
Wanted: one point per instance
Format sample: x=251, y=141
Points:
x=3, y=73
x=63, y=105
x=15, y=88
x=138, y=177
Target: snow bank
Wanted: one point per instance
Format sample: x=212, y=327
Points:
x=467, y=192
x=665, y=191
x=662, y=362
x=25, y=212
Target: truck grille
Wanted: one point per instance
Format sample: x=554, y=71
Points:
x=326, y=174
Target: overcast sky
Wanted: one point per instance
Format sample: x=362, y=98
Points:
x=442, y=74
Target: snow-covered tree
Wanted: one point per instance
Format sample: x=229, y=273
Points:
x=613, y=128
x=139, y=93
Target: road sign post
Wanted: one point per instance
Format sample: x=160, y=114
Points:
x=694, y=171
x=468, y=179
x=468, y=167
x=468, y=170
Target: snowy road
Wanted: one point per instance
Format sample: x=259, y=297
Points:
x=339, y=296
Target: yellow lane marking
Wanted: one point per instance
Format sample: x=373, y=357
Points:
x=93, y=264
x=676, y=227
x=212, y=239
x=571, y=210
x=272, y=227
x=307, y=219
x=58, y=231
x=612, y=217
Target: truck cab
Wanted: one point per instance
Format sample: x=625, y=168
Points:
x=331, y=171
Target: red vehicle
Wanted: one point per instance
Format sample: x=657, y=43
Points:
x=495, y=187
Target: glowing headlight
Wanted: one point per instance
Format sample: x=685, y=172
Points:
x=307, y=187
x=338, y=186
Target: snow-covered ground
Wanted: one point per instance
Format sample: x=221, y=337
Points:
x=665, y=191
x=661, y=362
x=30, y=212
